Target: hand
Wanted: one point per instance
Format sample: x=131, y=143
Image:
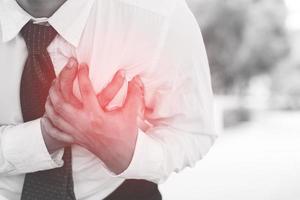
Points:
x=54, y=138
x=110, y=135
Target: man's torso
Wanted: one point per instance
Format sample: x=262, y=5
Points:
x=118, y=34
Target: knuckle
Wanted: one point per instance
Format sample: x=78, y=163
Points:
x=49, y=113
x=52, y=116
x=52, y=134
x=59, y=107
x=47, y=107
x=51, y=131
x=60, y=137
x=96, y=122
x=53, y=95
x=55, y=121
x=56, y=135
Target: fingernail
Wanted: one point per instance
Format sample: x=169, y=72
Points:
x=72, y=63
x=139, y=81
x=122, y=73
x=84, y=67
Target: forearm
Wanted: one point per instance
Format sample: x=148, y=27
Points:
x=162, y=151
x=52, y=144
x=116, y=154
x=23, y=150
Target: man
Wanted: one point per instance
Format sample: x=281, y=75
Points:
x=129, y=136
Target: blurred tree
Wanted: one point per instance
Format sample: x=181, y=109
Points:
x=285, y=78
x=243, y=39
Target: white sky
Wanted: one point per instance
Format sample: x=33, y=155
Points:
x=293, y=21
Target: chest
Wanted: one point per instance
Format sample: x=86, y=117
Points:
x=106, y=45
x=110, y=44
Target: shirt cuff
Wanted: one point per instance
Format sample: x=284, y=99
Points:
x=25, y=150
x=147, y=159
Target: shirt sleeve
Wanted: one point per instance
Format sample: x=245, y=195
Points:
x=22, y=150
x=181, y=107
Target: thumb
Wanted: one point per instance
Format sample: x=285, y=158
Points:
x=134, y=103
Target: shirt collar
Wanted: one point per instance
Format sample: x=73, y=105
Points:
x=69, y=20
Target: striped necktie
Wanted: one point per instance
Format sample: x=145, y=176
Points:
x=38, y=74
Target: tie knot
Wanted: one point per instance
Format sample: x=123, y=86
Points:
x=37, y=37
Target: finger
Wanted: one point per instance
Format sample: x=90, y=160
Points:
x=54, y=132
x=112, y=89
x=88, y=95
x=65, y=110
x=66, y=80
x=134, y=102
x=57, y=120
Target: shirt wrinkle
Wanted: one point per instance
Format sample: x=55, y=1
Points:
x=156, y=39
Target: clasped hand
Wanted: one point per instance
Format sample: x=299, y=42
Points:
x=110, y=135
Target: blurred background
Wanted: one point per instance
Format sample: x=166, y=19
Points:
x=253, y=48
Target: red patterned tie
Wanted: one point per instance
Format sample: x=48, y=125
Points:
x=38, y=74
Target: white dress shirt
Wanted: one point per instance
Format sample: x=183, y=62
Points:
x=157, y=39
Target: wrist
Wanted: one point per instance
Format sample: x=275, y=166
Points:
x=117, y=154
x=52, y=144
